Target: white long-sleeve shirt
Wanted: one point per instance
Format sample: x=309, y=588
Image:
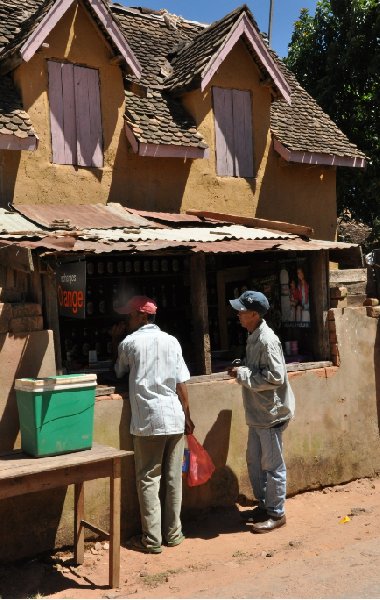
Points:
x=267, y=395
x=155, y=364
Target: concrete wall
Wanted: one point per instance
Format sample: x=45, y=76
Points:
x=334, y=438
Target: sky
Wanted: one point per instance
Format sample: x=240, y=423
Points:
x=285, y=13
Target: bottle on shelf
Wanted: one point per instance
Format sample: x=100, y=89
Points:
x=115, y=298
x=154, y=294
x=90, y=268
x=155, y=265
x=120, y=267
x=163, y=297
x=137, y=266
x=164, y=265
x=86, y=345
x=101, y=267
x=110, y=267
x=146, y=265
x=102, y=304
x=175, y=265
x=174, y=295
x=128, y=266
x=89, y=302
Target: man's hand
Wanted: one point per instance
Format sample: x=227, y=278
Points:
x=189, y=426
x=232, y=372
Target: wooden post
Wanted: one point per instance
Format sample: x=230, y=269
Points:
x=51, y=317
x=114, y=564
x=201, y=336
x=319, y=303
x=78, y=526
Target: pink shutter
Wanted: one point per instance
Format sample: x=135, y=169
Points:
x=69, y=125
x=88, y=117
x=242, y=125
x=224, y=134
x=62, y=113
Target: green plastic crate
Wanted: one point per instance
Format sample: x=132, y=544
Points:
x=56, y=413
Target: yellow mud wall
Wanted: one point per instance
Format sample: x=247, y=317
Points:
x=31, y=176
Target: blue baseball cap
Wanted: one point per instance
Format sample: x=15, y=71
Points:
x=251, y=300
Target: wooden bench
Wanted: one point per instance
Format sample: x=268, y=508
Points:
x=22, y=474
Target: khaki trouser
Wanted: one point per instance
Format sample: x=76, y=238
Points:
x=158, y=455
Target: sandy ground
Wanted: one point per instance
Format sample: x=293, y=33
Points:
x=330, y=548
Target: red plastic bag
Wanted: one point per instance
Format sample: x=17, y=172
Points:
x=201, y=466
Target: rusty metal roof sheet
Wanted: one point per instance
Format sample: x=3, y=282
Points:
x=82, y=216
x=69, y=243
x=187, y=234
x=167, y=217
x=14, y=223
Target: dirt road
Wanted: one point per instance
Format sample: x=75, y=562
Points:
x=330, y=548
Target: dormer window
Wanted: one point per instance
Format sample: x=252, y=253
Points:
x=75, y=115
x=233, y=132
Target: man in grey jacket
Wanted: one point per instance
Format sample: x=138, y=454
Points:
x=269, y=405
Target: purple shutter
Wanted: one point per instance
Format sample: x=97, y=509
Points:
x=242, y=120
x=224, y=134
x=69, y=125
x=88, y=117
x=56, y=112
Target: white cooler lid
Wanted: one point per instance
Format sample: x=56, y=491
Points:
x=56, y=382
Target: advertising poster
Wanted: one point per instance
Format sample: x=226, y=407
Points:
x=295, y=293
x=71, y=288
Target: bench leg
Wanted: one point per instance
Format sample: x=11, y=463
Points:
x=114, y=565
x=78, y=527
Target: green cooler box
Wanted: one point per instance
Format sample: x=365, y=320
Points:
x=56, y=413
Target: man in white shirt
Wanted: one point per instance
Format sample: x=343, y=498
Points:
x=160, y=416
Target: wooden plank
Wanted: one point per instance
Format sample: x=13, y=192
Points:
x=50, y=314
x=319, y=304
x=56, y=112
x=47, y=480
x=69, y=123
x=82, y=115
x=78, y=523
x=201, y=336
x=224, y=134
x=17, y=464
x=115, y=507
x=292, y=367
x=243, y=138
x=254, y=222
x=95, y=529
x=96, y=132
x=348, y=275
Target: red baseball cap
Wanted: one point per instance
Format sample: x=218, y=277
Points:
x=140, y=303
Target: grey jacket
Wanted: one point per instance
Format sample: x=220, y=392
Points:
x=267, y=395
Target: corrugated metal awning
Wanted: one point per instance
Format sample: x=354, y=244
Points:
x=83, y=216
x=14, y=223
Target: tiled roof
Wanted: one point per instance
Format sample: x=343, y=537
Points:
x=160, y=119
x=304, y=126
x=13, y=119
x=172, y=53
x=157, y=118
x=192, y=58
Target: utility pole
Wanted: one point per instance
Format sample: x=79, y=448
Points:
x=270, y=22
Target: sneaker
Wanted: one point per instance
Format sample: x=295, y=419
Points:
x=137, y=544
x=177, y=541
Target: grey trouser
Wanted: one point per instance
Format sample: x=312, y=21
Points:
x=158, y=455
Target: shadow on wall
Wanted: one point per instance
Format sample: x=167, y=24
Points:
x=30, y=356
x=376, y=360
x=148, y=183
x=223, y=487
x=9, y=166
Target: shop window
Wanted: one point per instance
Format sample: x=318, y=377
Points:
x=233, y=132
x=75, y=115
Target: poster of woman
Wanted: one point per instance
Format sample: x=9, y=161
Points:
x=295, y=293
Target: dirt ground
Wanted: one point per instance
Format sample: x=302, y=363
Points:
x=329, y=548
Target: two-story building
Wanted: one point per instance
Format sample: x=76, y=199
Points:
x=147, y=153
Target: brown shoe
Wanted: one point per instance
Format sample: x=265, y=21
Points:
x=269, y=524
